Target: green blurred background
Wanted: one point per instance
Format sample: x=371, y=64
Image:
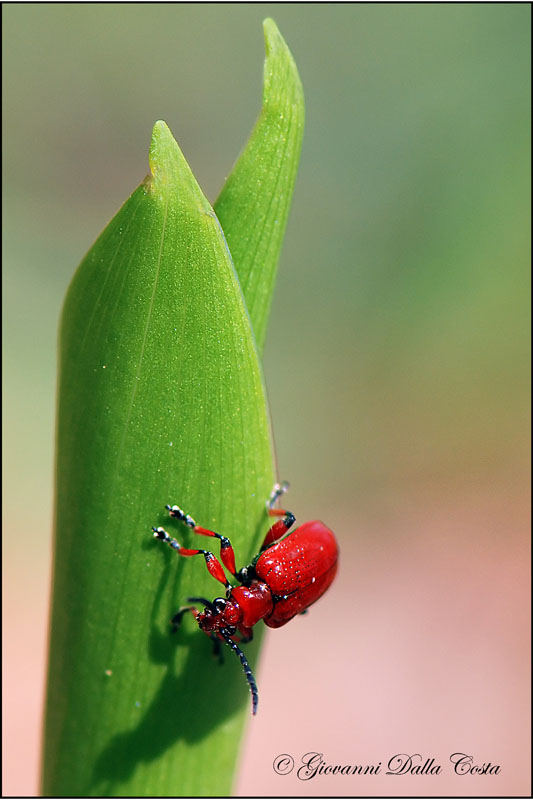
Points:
x=397, y=360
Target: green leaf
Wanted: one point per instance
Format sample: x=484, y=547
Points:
x=160, y=401
x=254, y=203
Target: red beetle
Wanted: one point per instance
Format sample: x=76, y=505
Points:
x=283, y=580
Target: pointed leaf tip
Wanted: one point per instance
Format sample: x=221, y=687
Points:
x=170, y=169
x=280, y=68
x=272, y=35
x=164, y=155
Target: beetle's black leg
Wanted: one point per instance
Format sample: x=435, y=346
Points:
x=278, y=529
x=278, y=490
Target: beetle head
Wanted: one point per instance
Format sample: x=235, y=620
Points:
x=221, y=614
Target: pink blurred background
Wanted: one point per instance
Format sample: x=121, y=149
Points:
x=397, y=359
x=422, y=647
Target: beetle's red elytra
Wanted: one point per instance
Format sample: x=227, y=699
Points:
x=288, y=575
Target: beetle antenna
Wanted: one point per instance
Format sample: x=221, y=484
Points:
x=207, y=603
x=246, y=667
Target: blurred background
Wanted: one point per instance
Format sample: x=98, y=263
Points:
x=397, y=360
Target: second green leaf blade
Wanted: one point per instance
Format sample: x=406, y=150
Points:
x=254, y=203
